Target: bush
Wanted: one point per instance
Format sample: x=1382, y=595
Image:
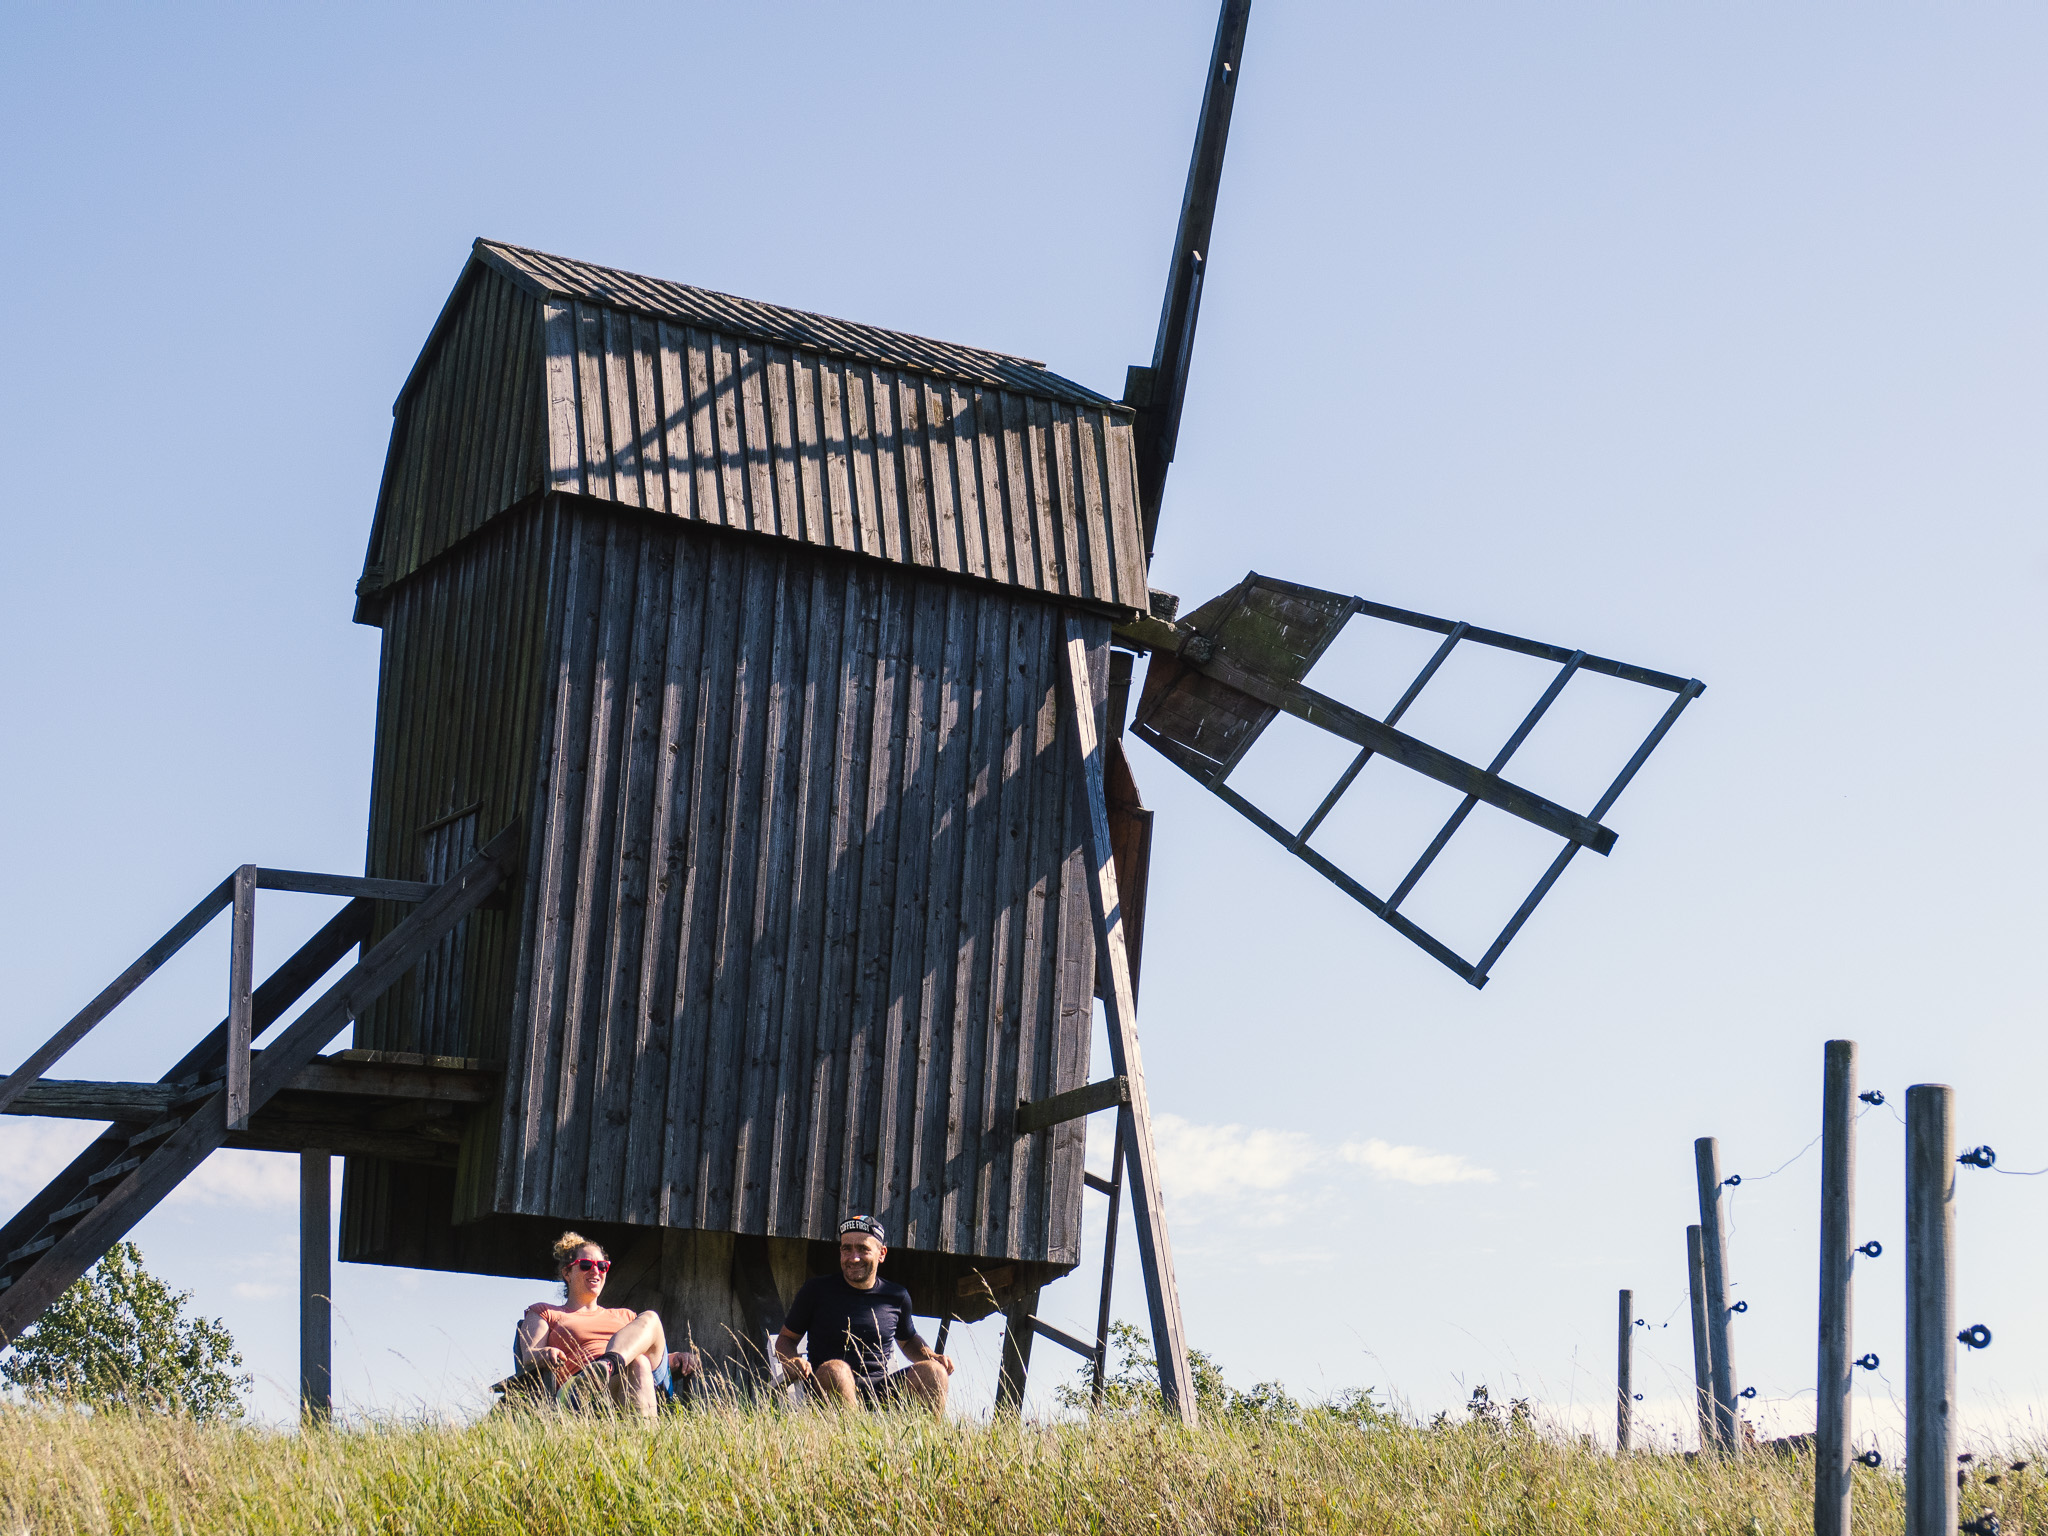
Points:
x=1133, y=1387
x=119, y=1339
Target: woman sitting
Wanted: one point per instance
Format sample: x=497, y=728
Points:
x=622, y=1353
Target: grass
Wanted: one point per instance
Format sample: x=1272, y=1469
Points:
x=740, y=1470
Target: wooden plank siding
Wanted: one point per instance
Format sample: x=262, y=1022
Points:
x=544, y=373
x=803, y=908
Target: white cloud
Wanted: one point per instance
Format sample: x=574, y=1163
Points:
x=33, y=1152
x=256, y=1180
x=1228, y=1163
x=1412, y=1165
x=1228, y=1160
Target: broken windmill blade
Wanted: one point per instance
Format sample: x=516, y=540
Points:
x=1218, y=678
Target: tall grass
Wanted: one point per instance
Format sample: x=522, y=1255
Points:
x=732, y=1469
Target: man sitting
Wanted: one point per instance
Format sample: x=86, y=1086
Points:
x=622, y=1353
x=854, y=1319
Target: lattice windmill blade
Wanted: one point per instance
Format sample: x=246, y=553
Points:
x=1221, y=676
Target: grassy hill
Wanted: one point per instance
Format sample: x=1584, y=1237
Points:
x=739, y=1470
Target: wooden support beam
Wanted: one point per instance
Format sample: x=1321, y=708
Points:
x=1099, y=1365
x=316, y=1285
x=1060, y=1336
x=241, y=984
x=1042, y=1114
x=1015, y=1369
x=1148, y=1212
x=343, y=885
x=66, y=1098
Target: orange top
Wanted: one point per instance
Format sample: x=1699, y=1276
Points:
x=580, y=1336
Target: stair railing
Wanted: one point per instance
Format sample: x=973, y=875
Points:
x=237, y=892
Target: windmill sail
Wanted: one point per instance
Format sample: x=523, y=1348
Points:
x=1222, y=675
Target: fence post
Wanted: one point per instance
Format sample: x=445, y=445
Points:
x=1624, y=1348
x=1714, y=1244
x=1702, y=1366
x=1831, y=1511
x=1930, y=1310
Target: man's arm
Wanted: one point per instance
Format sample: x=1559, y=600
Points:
x=794, y=1365
x=916, y=1351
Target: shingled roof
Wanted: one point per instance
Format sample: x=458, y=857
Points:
x=545, y=374
x=561, y=277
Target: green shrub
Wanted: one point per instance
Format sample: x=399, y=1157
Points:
x=1133, y=1388
x=119, y=1339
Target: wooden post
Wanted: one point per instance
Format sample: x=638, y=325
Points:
x=1714, y=1245
x=241, y=984
x=1837, y=1264
x=1702, y=1356
x=1624, y=1386
x=1148, y=1213
x=1116, y=1195
x=1016, y=1363
x=1930, y=1310
x=316, y=1287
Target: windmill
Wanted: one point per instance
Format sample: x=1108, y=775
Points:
x=751, y=829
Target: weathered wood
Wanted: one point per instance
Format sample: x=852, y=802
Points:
x=1714, y=1250
x=1930, y=1310
x=343, y=885
x=241, y=981
x=1624, y=1373
x=1702, y=1355
x=1431, y=762
x=1833, y=1411
x=1130, y=834
x=1114, y=1188
x=316, y=1286
x=78, y=1099
x=1110, y=1093
x=1172, y=351
x=931, y=1123
x=139, y=1191
x=1147, y=1205
x=1061, y=1337
x=1014, y=1370
x=1066, y=1146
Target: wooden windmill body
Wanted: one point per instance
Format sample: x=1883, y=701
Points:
x=753, y=622
x=751, y=830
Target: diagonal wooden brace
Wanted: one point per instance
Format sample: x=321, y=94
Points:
x=1155, y=1252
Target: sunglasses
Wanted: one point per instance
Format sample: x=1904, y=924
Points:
x=593, y=1266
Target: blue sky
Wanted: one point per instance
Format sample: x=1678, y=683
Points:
x=1707, y=337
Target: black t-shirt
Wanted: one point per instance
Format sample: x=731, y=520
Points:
x=859, y=1327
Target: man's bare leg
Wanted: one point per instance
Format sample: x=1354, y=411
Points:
x=927, y=1382
x=833, y=1380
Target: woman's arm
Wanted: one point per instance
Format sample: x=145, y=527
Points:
x=529, y=1342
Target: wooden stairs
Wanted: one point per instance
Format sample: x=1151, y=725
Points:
x=207, y=1100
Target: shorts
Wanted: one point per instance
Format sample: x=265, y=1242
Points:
x=579, y=1393
x=873, y=1391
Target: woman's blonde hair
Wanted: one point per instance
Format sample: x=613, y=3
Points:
x=569, y=1244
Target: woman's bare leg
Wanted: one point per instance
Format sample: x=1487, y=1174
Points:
x=642, y=1345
